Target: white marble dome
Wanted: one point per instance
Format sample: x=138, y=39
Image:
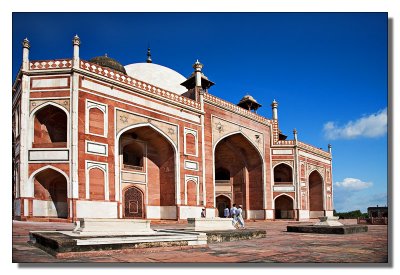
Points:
x=157, y=75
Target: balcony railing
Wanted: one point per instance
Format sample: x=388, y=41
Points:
x=283, y=182
x=133, y=167
x=222, y=182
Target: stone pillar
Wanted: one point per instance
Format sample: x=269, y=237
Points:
x=295, y=134
x=76, y=42
x=25, y=54
x=197, y=66
x=274, y=106
x=74, y=184
x=329, y=149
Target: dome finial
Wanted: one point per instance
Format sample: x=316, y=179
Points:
x=149, y=56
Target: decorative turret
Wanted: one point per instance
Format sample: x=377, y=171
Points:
x=149, y=56
x=25, y=54
x=274, y=106
x=197, y=78
x=329, y=149
x=248, y=102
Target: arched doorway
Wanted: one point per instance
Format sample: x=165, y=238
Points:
x=133, y=203
x=50, y=194
x=284, y=207
x=315, y=185
x=222, y=203
x=148, y=157
x=50, y=127
x=239, y=173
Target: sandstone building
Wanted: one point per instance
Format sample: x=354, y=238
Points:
x=98, y=139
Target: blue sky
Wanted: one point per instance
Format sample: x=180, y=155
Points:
x=328, y=72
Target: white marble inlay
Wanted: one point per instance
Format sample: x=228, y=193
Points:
x=284, y=188
x=96, y=148
x=282, y=152
x=191, y=165
x=48, y=155
x=49, y=83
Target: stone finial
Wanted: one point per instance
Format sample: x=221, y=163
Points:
x=26, y=44
x=197, y=66
x=295, y=133
x=330, y=148
x=149, y=56
x=76, y=41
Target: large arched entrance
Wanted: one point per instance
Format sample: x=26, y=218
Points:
x=133, y=203
x=222, y=203
x=284, y=207
x=239, y=173
x=315, y=185
x=147, y=158
x=50, y=194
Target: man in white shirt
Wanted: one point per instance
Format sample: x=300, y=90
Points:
x=233, y=215
x=239, y=217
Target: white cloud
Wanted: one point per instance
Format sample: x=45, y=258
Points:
x=374, y=125
x=353, y=184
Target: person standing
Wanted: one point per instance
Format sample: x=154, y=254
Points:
x=203, y=213
x=239, y=216
x=233, y=215
x=226, y=212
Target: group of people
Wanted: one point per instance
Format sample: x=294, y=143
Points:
x=236, y=214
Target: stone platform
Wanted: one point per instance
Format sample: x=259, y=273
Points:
x=56, y=242
x=210, y=224
x=112, y=227
x=326, y=229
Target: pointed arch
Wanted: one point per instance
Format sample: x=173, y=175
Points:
x=50, y=190
x=32, y=176
x=250, y=179
x=283, y=173
x=175, y=151
x=316, y=192
x=284, y=206
x=222, y=201
x=34, y=125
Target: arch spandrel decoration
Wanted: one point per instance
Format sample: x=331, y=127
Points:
x=320, y=169
x=126, y=119
x=222, y=128
x=35, y=104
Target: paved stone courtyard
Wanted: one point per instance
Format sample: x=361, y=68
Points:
x=279, y=247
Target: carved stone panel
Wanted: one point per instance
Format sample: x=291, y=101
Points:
x=222, y=128
x=36, y=103
x=125, y=119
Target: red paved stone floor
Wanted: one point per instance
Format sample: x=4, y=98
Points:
x=278, y=247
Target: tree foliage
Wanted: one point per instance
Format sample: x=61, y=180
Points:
x=350, y=215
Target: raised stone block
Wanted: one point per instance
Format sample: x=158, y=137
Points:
x=328, y=221
x=101, y=227
x=210, y=224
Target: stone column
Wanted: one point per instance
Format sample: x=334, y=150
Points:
x=74, y=164
x=274, y=106
x=25, y=54
x=197, y=66
x=76, y=42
